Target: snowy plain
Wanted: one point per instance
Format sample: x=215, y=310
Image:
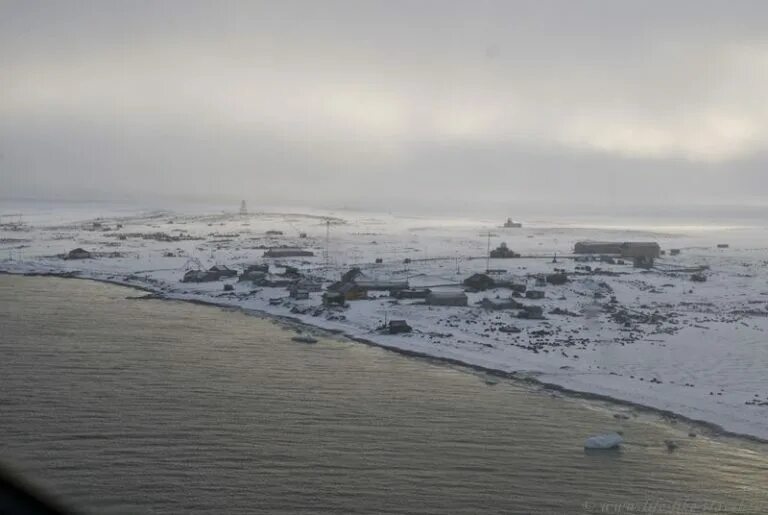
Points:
x=698, y=349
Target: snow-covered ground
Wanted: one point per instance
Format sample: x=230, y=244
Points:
x=698, y=349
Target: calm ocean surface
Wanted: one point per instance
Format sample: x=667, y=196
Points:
x=116, y=405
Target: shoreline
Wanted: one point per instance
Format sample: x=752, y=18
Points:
x=711, y=429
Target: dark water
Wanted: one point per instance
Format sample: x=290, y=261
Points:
x=137, y=406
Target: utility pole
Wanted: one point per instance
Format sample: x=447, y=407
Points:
x=488, y=255
x=327, y=240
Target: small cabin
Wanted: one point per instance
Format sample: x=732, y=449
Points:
x=531, y=312
x=398, y=327
x=334, y=298
x=299, y=294
x=222, y=271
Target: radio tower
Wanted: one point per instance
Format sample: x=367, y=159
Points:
x=243, y=208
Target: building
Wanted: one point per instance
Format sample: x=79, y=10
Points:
x=255, y=276
x=641, y=253
x=597, y=247
x=479, y=282
x=214, y=273
x=333, y=298
x=531, y=312
x=259, y=267
x=499, y=304
x=290, y=272
x=287, y=252
x=308, y=285
x=509, y=224
x=557, y=278
x=349, y=290
x=275, y=281
x=222, y=271
x=509, y=283
x=627, y=249
x=503, y=252
x=398, y=327
x=415, y=293
x=647, y=249
x=447, y=298
x=352, y=274
x=298, y=294
x=354, y=285
x=375, y=285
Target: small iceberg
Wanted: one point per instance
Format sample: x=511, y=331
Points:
x=304, y=339
x=604, y=441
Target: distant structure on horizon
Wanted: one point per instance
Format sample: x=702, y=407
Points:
x=243, y=208
x=509, y=224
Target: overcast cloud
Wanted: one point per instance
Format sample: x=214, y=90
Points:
x=390, y=104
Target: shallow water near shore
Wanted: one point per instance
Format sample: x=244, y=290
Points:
x=148, y=406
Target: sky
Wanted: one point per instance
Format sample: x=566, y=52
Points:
x=442, y=106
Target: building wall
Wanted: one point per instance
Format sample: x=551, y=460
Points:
x=640, y=250
x=440, y=300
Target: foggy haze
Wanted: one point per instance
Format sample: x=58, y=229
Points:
x=390, y=105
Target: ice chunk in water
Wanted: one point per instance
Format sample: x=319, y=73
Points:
x=604, y=441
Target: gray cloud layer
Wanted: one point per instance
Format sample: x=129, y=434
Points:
x=390, y=104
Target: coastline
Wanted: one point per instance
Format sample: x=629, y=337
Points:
x=293, y=323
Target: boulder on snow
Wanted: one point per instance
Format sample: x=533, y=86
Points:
x=78, y=253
